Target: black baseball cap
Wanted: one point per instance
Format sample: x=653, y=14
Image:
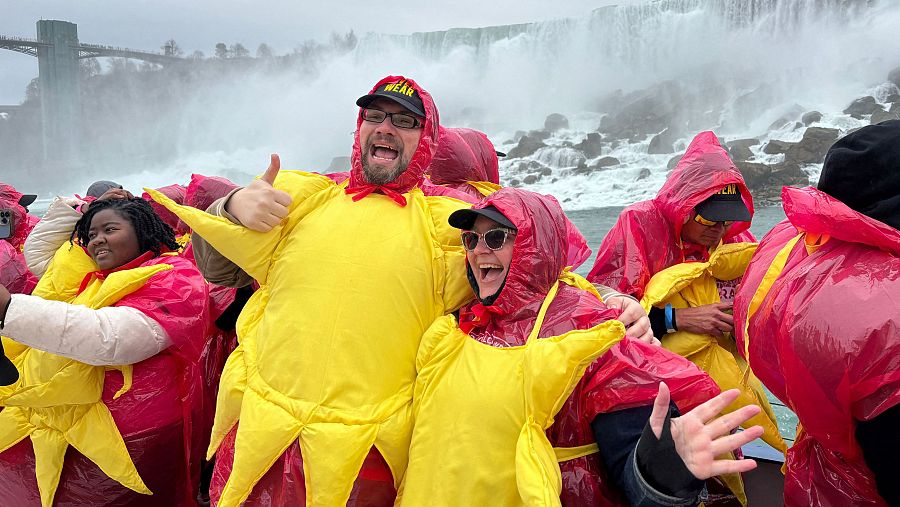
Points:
x=26, y=200
x=725, y=205
x=8, y=372
x=400, y=92
x=465, y=218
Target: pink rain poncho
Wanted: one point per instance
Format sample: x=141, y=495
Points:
x=822, y=335
x=14, y=273
x=647, y=236
x=463, y=156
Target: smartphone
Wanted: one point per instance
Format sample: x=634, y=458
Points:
x=6, y=223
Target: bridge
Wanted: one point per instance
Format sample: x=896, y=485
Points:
x=58, y=51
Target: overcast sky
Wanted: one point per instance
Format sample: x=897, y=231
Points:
x=283, y=24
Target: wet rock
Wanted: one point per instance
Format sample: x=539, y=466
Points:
x=591, y=146
x=765, y=181
x=527, y=146
x=894, y=76
x=543, y=135
x=605, y=162
x=662, y=143
x=556, y=122
x=881, y=116
x=862, y=106
x=894, y=97
x=644, y=174
x=645, y=113
x=739, y=149
x=339, y=164
x=531, y=179
x=775, y=147
x=515, y=182
x=895, y=107
x=811, y=117
x=673, y=162
x=813, y=147
x=789, y=116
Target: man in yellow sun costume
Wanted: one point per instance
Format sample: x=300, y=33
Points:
x=314, y=405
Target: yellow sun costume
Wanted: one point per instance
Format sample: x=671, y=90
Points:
x=692, y=284
x=521, y=388
x=328, y=343
x=57, y=401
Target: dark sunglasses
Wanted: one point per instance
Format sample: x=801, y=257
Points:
x=401, y=120
x=494, y=238
x=710, y=223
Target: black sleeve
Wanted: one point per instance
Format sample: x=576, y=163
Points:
x=619, y=433
x=658, y=322
x=880, y=442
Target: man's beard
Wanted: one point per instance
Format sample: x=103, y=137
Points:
x=378, y=174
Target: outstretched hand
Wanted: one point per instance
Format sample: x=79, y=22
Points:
x=700, y=436
x=259, y=205
x=633, y=316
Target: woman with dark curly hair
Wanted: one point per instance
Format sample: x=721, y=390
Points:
x=107, y=349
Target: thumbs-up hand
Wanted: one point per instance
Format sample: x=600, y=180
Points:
x=260, y=206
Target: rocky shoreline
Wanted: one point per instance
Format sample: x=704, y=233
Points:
x=661, y=118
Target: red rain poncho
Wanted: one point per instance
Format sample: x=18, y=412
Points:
x=14, y=273
x=154, y=417
x=464, y=155
x=176, y=193
x=647, y=236
x=824, y=339
x=283, y=484
x=627, y=376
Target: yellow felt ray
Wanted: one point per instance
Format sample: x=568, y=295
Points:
x=232, y=385
x=264, y=433
x=332, y=479
x=95, y=435
x=14, y=426
x=49, y=454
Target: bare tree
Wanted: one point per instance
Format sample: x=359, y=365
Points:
x=238, y=50
x=221, y=50
x=197, y=55
x=171, y=48
x=264, y=51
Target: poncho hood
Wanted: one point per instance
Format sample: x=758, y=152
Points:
x=421, y=158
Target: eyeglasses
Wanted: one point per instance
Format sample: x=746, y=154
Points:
x=493, y=239
x=710, y=223
x=401, y=120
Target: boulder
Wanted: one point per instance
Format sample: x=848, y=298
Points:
x=765, y=181
x=673, y=162
x=556, y=122
x=862, y=106
x=811, y=117
x=880, y=116
x=774, y=147
x=543, y=135
x=895, y=107
x=644, y=174
x=645, y=113
x=789, y=116
x=813, y=147
x=739, y=149
x=591, y=146
x=527, y=146
x=605, y=162
x=531, y=179
x=662, y=143
x=894, y=76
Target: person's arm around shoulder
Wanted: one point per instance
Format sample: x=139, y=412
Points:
x=107, y=336
x=54, y=229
